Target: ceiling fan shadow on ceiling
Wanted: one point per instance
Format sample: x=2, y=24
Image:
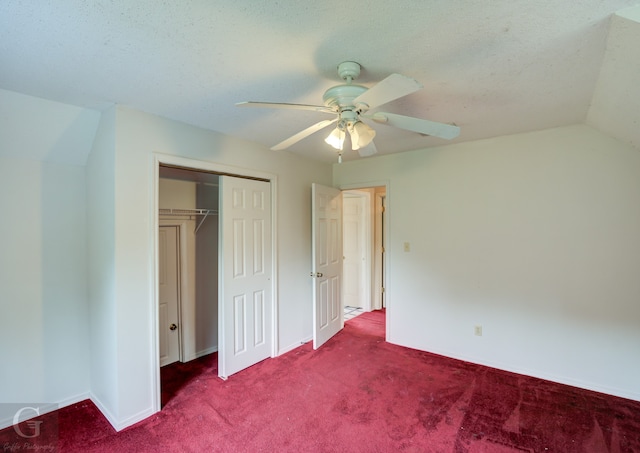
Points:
x=351, y=103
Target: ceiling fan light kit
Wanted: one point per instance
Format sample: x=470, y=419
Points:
x=361, y=135
x=336, y=137
x=350, y=103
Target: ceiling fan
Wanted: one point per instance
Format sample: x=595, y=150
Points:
x=351, y=103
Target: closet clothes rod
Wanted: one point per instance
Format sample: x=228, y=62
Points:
x=189, y=212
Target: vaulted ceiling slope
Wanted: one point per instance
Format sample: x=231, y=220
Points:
x=493, y=68
x=615, y=106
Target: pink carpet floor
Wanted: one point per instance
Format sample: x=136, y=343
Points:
x=358, y=394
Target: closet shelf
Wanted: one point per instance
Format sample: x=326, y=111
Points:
x=189, y=212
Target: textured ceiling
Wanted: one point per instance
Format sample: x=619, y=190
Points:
x=491, y=67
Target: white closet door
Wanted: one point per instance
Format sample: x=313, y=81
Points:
x=245, y=297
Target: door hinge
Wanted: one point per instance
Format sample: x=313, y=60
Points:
x=382, y=289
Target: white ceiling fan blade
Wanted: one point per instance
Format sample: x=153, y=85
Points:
x=441, y=130
x=393, y=87
x=282, y=105
x=368, y=150
x=303, y=134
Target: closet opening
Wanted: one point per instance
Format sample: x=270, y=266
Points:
x=203, y=250
x=187, y=269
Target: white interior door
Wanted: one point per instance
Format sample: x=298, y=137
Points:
x=245, y=294
x=356, y=221
x=326, y=230
x=169, y=293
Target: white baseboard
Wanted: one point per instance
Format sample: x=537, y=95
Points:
x=202, y=353
x=293, y=346
x=102, y=408
x=133, y=419
x=207, y=351
x=538, y=374
x=119, y=425
x=7, y=421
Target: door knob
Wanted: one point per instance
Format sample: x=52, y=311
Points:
x=173, y=327
x=317, y=274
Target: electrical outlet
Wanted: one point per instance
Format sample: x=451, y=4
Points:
x=477, y=330
x=407, y=247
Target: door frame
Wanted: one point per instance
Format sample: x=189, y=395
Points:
x=385, y=235
x=206, y=166
x=379, y=272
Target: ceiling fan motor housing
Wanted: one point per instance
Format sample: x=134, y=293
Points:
x=341, y=97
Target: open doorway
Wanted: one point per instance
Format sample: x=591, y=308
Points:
x=363, y=249
x=187, y=268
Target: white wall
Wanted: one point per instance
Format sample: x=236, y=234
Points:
x=43, y=289
x=42, y=130
x=536, y=237
x=44, y=334
x=138, y=136
x=207, y=273
x=176, y=194
x=100, y=189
